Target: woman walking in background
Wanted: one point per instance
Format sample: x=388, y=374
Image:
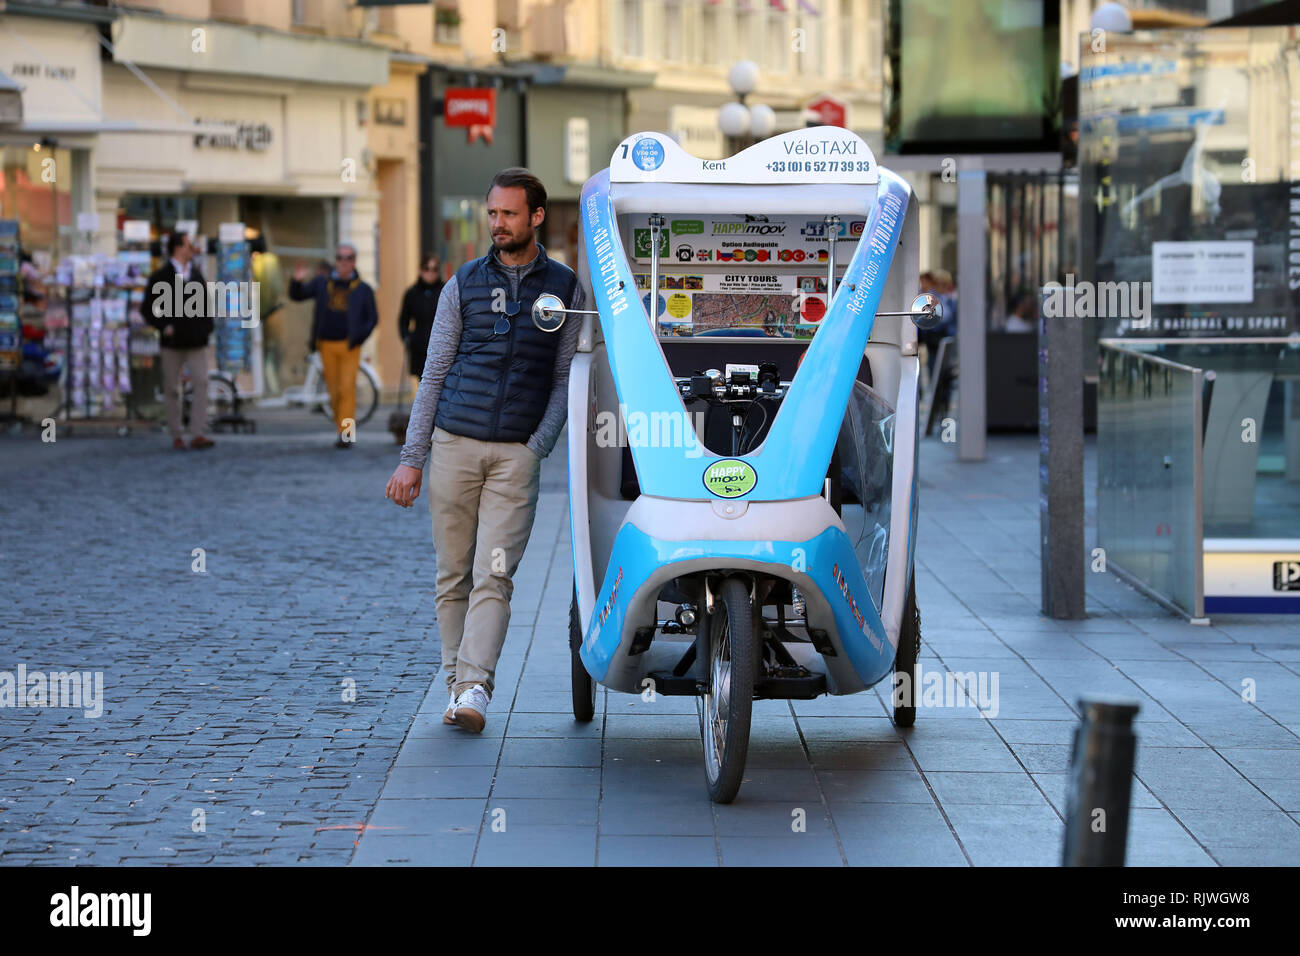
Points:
x=415, y=320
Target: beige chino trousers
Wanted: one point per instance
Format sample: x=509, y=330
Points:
x=483, y=499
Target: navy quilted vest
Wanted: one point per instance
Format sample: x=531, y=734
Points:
x=498, y=385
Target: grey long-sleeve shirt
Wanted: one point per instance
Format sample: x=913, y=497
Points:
x=444, y=343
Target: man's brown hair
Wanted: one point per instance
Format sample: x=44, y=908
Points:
x=518, y=176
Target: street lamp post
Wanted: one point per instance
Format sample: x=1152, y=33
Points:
x=745, y=125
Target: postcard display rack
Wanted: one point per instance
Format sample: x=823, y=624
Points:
x=98, y=319
x=11, y=329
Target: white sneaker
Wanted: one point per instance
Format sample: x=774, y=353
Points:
x=471, y=709
x=449, y=716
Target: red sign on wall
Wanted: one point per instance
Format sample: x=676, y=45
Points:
x=470, y=106
x=831, y=110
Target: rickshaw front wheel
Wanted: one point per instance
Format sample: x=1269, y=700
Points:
x=584, y=688
x=732, y=658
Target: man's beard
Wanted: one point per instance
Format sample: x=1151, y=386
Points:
x=513, y=245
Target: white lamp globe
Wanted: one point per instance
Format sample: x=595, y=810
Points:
x=1113, y=18
x=733, y=119
x=762, y=121
x=743, y=77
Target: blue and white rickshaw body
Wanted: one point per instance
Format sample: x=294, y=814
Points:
x=820, y=514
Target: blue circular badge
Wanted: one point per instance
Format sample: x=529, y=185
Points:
x=648, y=154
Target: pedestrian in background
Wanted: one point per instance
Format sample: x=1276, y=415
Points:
x=493, y=397
x=419, y=305
x=183, y=337
x=345, y=316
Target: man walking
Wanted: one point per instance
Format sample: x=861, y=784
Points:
x=184, y=336
x=493, y=396
x=344, y=318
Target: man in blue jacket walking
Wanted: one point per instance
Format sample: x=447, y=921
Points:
x=344, y=318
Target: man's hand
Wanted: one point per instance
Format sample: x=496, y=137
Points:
x=404, y=486
x=168, y=330
x=300, y=272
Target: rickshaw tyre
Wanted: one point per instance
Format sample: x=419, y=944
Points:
x=909, y=651
x=734, y=597
x=584, y=688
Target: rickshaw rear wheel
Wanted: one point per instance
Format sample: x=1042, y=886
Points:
x=909, y=649
x=732, y=658
x=584, y=688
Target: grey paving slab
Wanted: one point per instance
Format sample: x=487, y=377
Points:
x=633, y=815
x=502, y=813
x=1008, y=835
x=531, y=782
x=1157, y=838
x=559, y=752
x=538, y=846
x=616, y=850
x=874, y=786
x=795, y=850
x=977, y=788
x=416, y=850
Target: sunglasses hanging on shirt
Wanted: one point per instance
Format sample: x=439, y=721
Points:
x=511, y=309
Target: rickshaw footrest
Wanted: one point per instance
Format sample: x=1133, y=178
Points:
x=765, y=688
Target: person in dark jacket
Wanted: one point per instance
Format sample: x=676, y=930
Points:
x=419, y=305
x=344, y=318
x=176, y=304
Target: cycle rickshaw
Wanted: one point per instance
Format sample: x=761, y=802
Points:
x=742, y=466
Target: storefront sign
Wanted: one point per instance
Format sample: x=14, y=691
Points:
x=255, y=137
x=833, y=112
x=1192, y=273
x=577, y=149
x=470, y=106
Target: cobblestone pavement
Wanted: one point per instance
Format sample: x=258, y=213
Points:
x=225, y=735
x=224, y=692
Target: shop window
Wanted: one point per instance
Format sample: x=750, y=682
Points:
x=36, y=188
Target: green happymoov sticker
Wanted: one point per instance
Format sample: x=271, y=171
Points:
x=730, y=478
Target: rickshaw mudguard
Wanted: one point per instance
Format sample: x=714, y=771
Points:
x=823, y=566
x=793, y=459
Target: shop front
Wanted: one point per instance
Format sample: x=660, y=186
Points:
x=1189, y=176
x=276, y=155
x=473, y=125
x=575, y=121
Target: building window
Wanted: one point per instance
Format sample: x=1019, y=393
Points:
x=846, y=38
x=778, y=41
x=710, y=38
x=672, y=27
x=633, y=38
x=810, y=54
x=748, y=36
x=446, y=24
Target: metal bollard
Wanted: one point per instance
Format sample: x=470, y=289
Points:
x=1100, y=784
